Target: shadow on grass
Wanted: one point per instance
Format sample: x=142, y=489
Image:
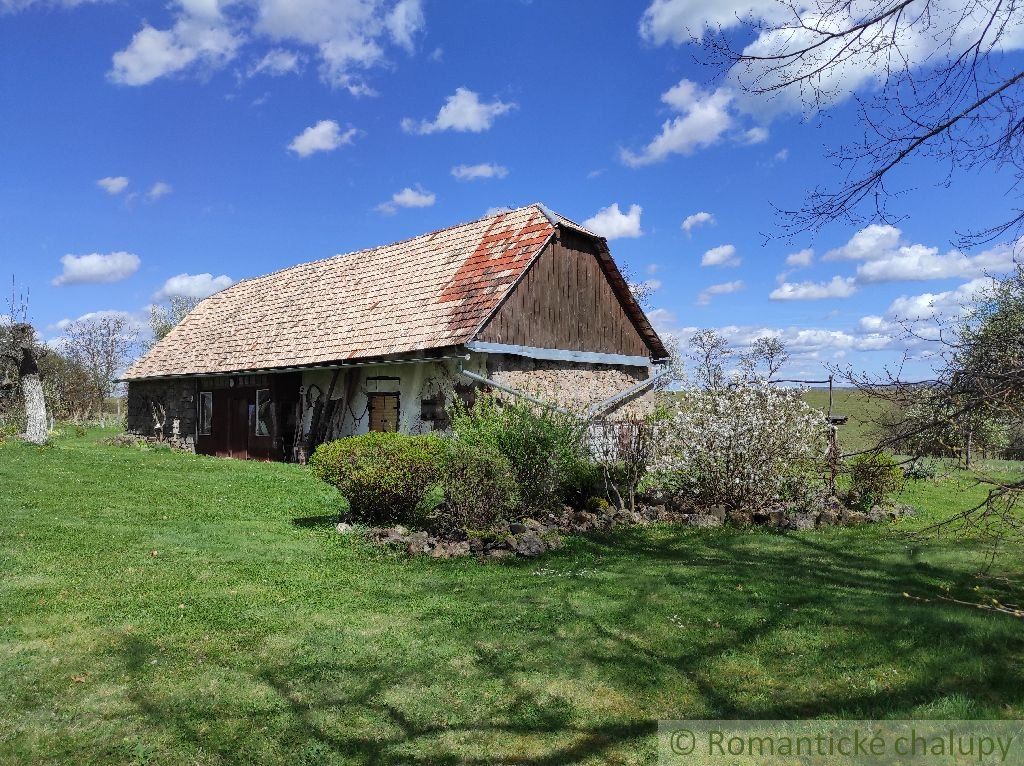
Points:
x=308, y=522
x=710, y=626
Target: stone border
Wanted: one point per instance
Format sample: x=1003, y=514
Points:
x=532, y=537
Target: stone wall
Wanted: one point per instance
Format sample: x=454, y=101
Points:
x=572, y=385
x=163, y=410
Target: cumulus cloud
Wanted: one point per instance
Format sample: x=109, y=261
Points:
x=325, y=136
x=195, y=38
x=800, y=259
x=694, y=220
x=949, y=303
x=158, y=190
x=722, y=288
x=723, y=255
x=885, y=256
x=680, y=21
x=193, y=286
x=347, y=37
x=463, y=111
x=407, y=197
x=837, y=287
x=611, y=223
x=703, y=118
x=476, y=172
x=113, y=184
x=96, y=268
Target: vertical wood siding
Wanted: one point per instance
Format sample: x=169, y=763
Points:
x=566, y=302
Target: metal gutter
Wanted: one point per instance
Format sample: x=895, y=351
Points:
x=558, y=354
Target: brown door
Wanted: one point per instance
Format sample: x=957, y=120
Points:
x=383, y=412
x=238, y=428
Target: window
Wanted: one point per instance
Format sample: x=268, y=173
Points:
x=205, y=413
x=383, y=412
x=262, y=412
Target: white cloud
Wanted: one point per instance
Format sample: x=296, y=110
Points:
x=840, y=72
x=325, y=136
x=96, y=268
x=495, y=209
x=193, y=286
x=800, y=259
x=661, y=319
x=158, y=190
x=781, y=156
x=277, y=62
x=886, y=257
x=408, y=197
x=404, y=21
x=838, y=287
x=136, y=324
x=723, y=288
x=703, y=120
x=483, y=170
x=348, y=37
x=611, y=223
x=463, y=111
x=870, y=242
x=113, y=184
x=756, y=135
x=195, y=38
x=691, y=222
x=681, y=21
x=723, y=255
x=949, y=303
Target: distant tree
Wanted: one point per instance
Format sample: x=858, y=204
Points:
x=976, y=395
x=765, y=358
x=20, y=352
x=709, y=353
x=942, y=90
x=101, y=346
x=163, y=319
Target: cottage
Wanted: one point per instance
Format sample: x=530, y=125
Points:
x=524, y=301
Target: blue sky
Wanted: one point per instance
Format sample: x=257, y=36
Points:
x=148, y=148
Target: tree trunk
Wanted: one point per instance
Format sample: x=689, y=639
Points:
x=35, y=409
x=31, y=386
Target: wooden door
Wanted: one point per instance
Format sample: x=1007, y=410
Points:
x=383, y=412
x=238, y=428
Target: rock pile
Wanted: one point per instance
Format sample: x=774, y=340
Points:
x=531, y=537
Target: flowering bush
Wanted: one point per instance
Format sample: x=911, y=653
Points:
x=746, y=445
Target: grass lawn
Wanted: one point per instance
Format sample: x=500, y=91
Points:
x=159, y=608
x=863, y=411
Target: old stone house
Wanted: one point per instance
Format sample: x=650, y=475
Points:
x=524, y=302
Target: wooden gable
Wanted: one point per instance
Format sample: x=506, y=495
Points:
x=565, y=301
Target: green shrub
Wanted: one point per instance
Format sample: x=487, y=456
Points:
x=546, y=448
x=875, y=477
x=384, y=476
x=479, y=488
x=422, y=481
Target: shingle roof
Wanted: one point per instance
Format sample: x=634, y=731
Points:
x=429, y=292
